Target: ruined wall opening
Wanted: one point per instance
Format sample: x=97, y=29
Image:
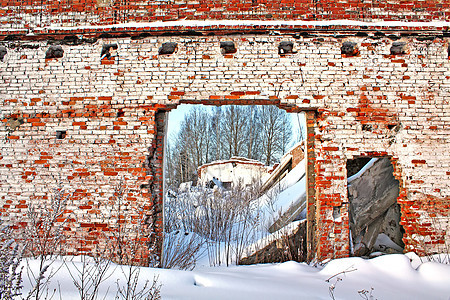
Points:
x=235, y=174
x=374, y=213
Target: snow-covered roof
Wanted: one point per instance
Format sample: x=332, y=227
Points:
x=234, y=159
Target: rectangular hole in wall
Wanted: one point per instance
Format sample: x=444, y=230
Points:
x=60, y=134
x=374, y=214
x=236, y=160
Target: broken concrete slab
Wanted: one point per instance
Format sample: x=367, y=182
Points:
x=373, y=207
x=372, y=194
x=369, y=238
x=391, y=225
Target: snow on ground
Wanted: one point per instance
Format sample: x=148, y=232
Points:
x=250, y=230
x=393, y=276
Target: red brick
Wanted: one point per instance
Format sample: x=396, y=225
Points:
x=330, y=148
x=418, y=161
x=107, y=62
x=110, y=173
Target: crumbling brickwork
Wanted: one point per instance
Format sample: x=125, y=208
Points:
x=87, y=119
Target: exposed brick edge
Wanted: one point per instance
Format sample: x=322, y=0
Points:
x=153, y=214
x=311, y=227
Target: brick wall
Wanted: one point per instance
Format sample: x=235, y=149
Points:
x=26, y=14
x=112, y=110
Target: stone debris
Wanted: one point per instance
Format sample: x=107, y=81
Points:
x=373, y=207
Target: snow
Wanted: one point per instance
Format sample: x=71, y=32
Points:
x=250, y=235
x=393, y=276
x=237, y=170
x=266, y=240
x=364, y=169
x=383, y=242
x=292, y=186
x=278, y=23
x=295, y=174
x=237, y=159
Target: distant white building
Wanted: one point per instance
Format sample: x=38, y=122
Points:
x=232, y=172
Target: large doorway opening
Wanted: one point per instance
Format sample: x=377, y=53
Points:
x=374, y=212
x=235, y=186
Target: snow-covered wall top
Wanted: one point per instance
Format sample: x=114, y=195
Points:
x=30, y=14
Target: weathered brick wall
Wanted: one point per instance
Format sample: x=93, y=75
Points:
x=26, y=14
x=372, y=104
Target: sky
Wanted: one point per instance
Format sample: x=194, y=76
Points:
x=176, y=117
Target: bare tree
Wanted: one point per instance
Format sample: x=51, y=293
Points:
x=234, y=123
x=259, y=132
x=276, y=133
x=193, y=144
x=285, y=134
x=216, y=132
x=253, y=132
x=301, y=133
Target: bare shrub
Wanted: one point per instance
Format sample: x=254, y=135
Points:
x=366, y=294
x=123, y=244
x=181, y=250
x=244, y=220
x=336, y=277
x=88, y=274
x=10, y=257
x=129, y=251
x=225, y=219
x=44, y=235
x=44, y=231
x=180, y=210
x=151, y=290
x=131, y=240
